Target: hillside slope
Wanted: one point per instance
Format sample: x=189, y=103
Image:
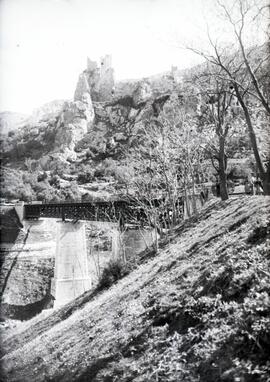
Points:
x=198, y=311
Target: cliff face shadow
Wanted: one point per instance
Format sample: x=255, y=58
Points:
x=28, y=311
x=10, y=226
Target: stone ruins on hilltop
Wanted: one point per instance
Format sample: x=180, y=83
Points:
x=104, y=113
x=97, y=80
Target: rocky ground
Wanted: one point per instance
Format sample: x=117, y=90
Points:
x=199, y=310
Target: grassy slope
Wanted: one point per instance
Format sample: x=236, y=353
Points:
x=199, y=311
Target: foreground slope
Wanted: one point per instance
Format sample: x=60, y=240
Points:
x=198, y=311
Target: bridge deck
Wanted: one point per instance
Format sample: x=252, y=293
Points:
x=105, y=211
x=113, y=211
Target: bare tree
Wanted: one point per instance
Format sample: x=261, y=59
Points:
x=218, y=114
x=167, y=167
x=237, y=70
x=245, y=9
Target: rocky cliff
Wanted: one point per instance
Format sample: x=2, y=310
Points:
x=66, y=138
x=99, y=104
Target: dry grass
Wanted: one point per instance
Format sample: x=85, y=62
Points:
x=198, y=311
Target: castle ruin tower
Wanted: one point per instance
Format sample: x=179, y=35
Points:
x=97, y=80
x=106, y=83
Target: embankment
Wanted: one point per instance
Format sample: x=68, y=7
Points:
x=198, y=311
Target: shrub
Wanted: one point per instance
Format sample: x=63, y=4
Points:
x=99, y=172
x=55, y=181
x=86, y=177
x=114, y=271
x=14, y=186
x=41, y=177
x=239, y=171
x=73, y=193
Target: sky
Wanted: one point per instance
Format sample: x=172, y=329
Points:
x=44, y=43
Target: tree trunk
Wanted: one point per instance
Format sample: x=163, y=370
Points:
x=156, y=235
x=194, y=204
x=266, y=181
x=263, y=174
x=222, y=170
x=266, y=186
x=186, y=198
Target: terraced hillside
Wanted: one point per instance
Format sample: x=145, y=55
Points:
x=199, y=310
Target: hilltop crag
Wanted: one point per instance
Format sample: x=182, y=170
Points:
x=68, y=143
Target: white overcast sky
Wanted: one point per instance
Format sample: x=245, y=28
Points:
x=44, y=43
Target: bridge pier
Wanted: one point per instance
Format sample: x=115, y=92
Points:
x=116, y=243
x=19, y=208
x=71, y=266
x=63, y=214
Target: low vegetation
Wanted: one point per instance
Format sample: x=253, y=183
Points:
x=199, y=310
x=114, y=271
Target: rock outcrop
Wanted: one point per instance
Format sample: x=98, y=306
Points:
x=82, y=87
x=74, y=122
x=142, y=93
